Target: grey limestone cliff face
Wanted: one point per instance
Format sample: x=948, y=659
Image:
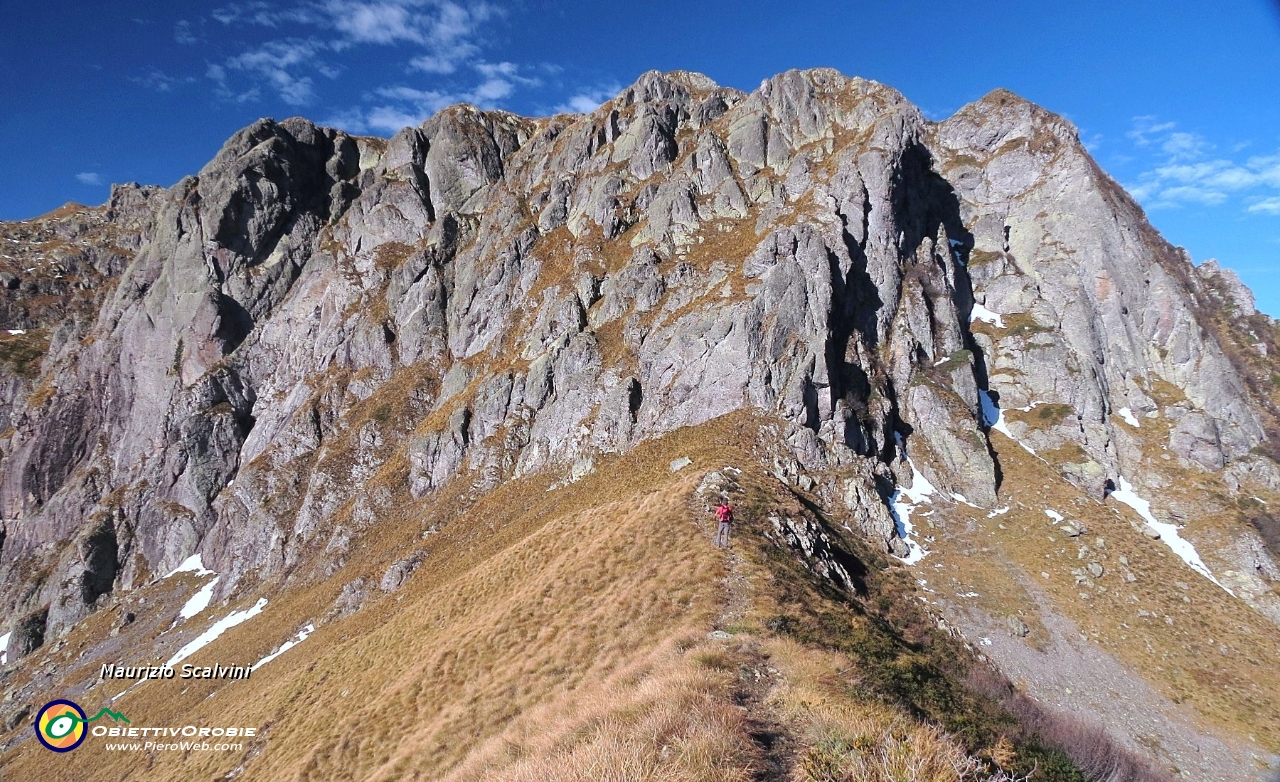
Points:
x=319, y=328
x=1097, y=294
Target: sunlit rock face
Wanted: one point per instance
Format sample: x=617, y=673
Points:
x=267, y=357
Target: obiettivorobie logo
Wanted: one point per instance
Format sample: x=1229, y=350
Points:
x=61, y=724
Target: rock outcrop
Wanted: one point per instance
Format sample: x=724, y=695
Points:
x=318, y=327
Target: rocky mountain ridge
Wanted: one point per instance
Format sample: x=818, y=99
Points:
x=263, y=362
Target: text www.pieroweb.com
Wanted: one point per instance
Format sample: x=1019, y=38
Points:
x=176, y=746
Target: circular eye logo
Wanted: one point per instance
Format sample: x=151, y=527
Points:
x=60, y=726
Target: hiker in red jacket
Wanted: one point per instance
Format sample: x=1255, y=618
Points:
x=724, y=514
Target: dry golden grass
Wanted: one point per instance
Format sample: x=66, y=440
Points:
x=560, y=608
x=1197, y=645
x=667, y=716
x=554, y=253
x=1017, y=324
x=843, y=738
x=547, y=635
x=530, y=598
x=21, y=354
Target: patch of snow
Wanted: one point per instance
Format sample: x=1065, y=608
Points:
x=1168, y=532
x=920, y=489
x=1053, y=514
x=199, y=601
x=4, y=648
x=968, y=594
x=901, y=512
x=916, y=494
x=286, y=646
x=962, y=499
x=994, y=417
x=980, y=312
x=985, y=641
x=1127, y=415
x=17, y=331
x=998, y=512
x=219, y=627
x=192, y=564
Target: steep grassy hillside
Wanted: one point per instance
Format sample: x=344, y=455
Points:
x=404, y=419
x=589, y=632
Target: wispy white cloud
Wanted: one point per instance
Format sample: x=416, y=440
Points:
x=508, y=70
x=264, y=14
x=391, y=119
x=431, y=63
x=383, y=23
x=280, y=66
x=397, y=107
x=585, y=101
x=438, y=46
x=411, y=95
x=1147, y=126
x=442, y=36
x=1189, y=175
x=500, y=80
x=158, y=80
x=1185, y=146
x=182, y=33
x=378, y=119
x=1267, y=206
x=1192, y=194
x=445, y=32
x=444, y=27
x=400, y=106
x=1255, y=172
x=453, y=36
x=89, y=178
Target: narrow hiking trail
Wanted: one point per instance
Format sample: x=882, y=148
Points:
x=756, y=677
x=756, y=680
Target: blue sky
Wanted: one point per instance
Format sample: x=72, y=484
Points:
x=1179, y=100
